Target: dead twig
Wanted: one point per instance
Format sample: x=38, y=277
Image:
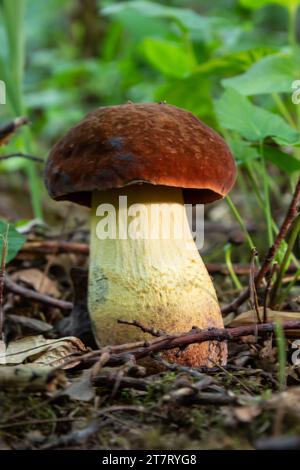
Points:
x=289, y=218
x=145, y=329
x=269, y=278
x=2, y=280
x=82, y=435
x=21, y=155
x=55, y=247
x=109, y=380
x=120, y=354
x=36, y=296
x=252, y=288
x=190, y=396
x=7, y=130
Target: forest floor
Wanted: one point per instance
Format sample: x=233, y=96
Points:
x=253, y=402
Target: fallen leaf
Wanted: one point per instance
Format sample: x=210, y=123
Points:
x=250, y=318
x=245, y=414
x=81, y=388
x=31, y=377
x=41, y=351
x=29, y=324
x=37, y=280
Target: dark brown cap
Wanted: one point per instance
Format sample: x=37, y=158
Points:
x=151, y=143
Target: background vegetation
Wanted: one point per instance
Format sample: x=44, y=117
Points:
x=233, y=64
x=230, y=62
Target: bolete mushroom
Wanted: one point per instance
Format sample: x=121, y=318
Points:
x=151, y=155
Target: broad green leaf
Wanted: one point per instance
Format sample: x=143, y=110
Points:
x=178, y=92
x=185, y=18
x=272, y=74
x=237, y=113
x=243, y=152
x=254, y=4
x=15, y=241
x=283, y=161
x=170, y=58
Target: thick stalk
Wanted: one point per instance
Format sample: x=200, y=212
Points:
x=161, y=282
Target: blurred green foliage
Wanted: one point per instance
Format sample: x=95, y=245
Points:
x=230, y=62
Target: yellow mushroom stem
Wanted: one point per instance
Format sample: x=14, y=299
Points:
x=145, y=266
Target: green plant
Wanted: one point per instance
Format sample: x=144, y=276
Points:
x=12, y=60
x=15, y=240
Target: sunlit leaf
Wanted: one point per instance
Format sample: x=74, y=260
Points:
x=170, y=58
x=243, y=152
x=254, y=4
x=185, y=18
x=272, y=74
x=237, y=113
x=192, y=93
x=283, y=161
x=15, y=241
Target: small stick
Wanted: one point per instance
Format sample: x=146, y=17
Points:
x=55, y=247
x=22, y=155
x=182, y=340
x=269, y=278
x=289, y=218
x=145, y=329
x=252, y=287
x=36, y=296
x=7, y=130
x=2, y=281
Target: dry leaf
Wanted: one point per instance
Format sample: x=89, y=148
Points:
x=250, y=318
x=245, y=414
x=41, y=351
x=31, y=377
x=38, y=281
x=81, y=388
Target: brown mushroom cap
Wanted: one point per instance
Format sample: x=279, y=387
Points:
x=158, y=144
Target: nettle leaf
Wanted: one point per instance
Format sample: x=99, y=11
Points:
x=272, y=74
x=254, y=4
x=171, y=58
x=235, y=112
x=15, y=241
x=282, y=160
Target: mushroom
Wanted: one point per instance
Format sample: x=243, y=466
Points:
x=150, y=156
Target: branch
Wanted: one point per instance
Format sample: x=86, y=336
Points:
x=22, y=155
x=120, y=353
x=145, y=329
x=55, y=247
x=36, y=296
x=289, y=218
x=7, y=130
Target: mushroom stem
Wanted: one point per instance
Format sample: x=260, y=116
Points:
x=144, y=265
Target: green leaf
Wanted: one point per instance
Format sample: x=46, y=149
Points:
x=15, y=241
x=168, y=57
x=243, y=152
x=237, y=113
x=254, y=4
x=178, y=92
x=283, y=161
x=272, y=74
x=187, y=19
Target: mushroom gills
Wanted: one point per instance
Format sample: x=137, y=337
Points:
x=145, y=266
